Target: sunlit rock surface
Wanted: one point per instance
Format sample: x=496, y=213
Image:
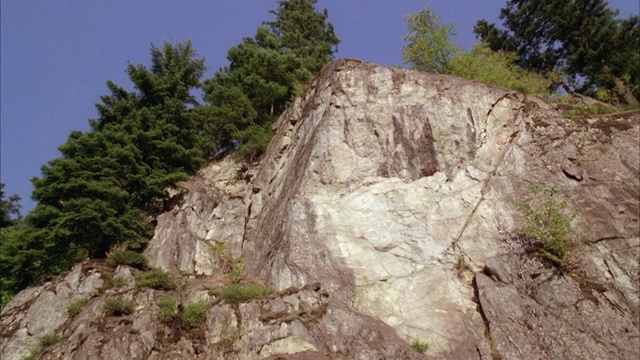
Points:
x=382, y=213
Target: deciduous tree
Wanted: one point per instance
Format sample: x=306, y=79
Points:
x=581, y=44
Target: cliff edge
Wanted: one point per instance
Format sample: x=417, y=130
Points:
x=384, y=213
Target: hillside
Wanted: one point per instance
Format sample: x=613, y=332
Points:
x=385, y=216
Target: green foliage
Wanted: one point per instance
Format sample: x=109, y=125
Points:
x=589, y=110
x=129, y=258
x=224, y=262
x=419, y=346
x=239, y=293
x=167, y=312
x=192, y=314
x=497, y=68
x=428, y=45
x=546, y=222
x=110, y=181
x=578, y=43
x=9, y=209
x=305, y=32
x=222, y=259
x=76, y=307
x=237, y=271
x=265, y=73
x=156, y=279
x=49, y=340
x=119, y=306
x=116, y=282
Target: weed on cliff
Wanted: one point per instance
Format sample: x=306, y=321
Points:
x=224, y=263
x=168, y=309
x=597, y=109
x=156, y=279
x=119, y=307
x=116, y=282
x=49, y=340
x=192, y=314
x=239, y=293
x=76, y=307
x=419, y=346
x=546, y=223
x=129, y=258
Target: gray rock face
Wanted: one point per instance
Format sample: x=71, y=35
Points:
x=382, y=213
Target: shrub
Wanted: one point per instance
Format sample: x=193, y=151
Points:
x=221, y=258
x=238, y=293
x=192, y=314
x=48, y=340
x=130, y=258
x=76, y=307
x=497, y=68
x=167, y=305
x=156, y=279
x=589, y=110
x=237, y=271
x=545, y=222
x=116, y=282
x=419, y=346
x=119, y=306
x=224, y=262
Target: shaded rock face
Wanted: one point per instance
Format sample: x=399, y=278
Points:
x=382, y=213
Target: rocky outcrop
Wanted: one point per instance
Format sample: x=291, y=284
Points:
x=382, y=213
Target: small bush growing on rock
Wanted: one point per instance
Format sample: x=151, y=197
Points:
x=223, y=262
x=167, y=311
x=419, y=346
x=156, y=279
x=119, y=306
x=237, y=271
x=239, y=293
x=221, y=258
x=129, y=258
x=48, y=340
x=116, y=282
x=545, y=222
x=192, y=314
x=76, y=307
x=589, y=110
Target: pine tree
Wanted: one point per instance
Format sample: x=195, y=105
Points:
x=265, y=73
x=110, y=181
x=305, y=32
x=9, y=209
x=570, y=41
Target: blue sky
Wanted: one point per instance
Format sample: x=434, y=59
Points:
x=57, y=55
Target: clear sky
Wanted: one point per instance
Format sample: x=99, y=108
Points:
x=57, y=55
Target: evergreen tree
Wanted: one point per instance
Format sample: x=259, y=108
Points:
x=110, y=182
x=305, y=32
x=264, y=73
x=9, y=209
x=569, y=41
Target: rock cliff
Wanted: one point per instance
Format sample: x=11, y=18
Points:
x=381, y=214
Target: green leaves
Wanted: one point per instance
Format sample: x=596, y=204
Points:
x=265, y=73
x=107, y=182
x=428, y=45
x=546, y=222
x=110, y=182
x=497, y=68
x=580, y=44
